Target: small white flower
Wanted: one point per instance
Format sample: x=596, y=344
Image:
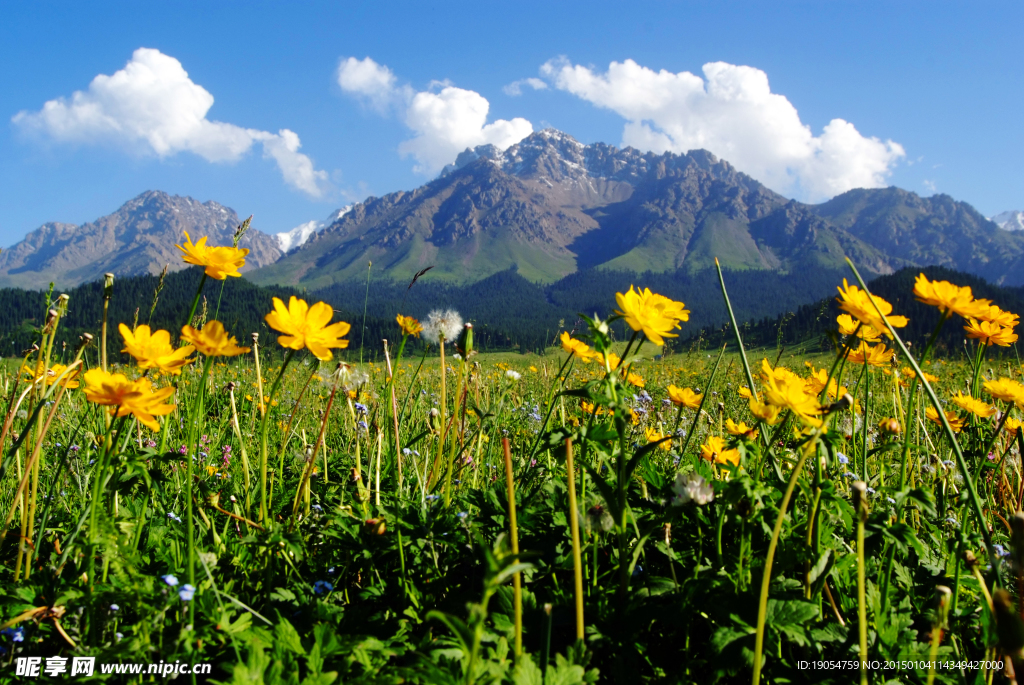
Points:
x=442, y=324
x=689, y=487
x=514, y=375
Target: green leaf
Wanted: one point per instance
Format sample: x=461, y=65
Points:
x=462, y=632
x=288, y=637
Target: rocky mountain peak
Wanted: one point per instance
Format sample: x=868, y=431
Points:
x=138, y=238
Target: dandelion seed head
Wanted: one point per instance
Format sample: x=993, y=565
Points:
x=441, y=324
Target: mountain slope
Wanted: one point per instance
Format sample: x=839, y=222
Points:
x=550, y=206
x=936, y=230
x=138, y=238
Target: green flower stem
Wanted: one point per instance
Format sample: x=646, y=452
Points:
x=278, y=479
x=195, y=416
x=574, y=528
x=517, y=587
x=762, y=605
x=264, y=429
x=442, y=419
x=862, y=606
x=195, y=300
x=700, y=407
x=736, y=330
x=972, y=491
x=867, y=408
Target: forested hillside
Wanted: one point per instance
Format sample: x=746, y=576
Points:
x=805, y=325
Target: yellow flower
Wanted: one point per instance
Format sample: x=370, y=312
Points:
x=577, y=347
x=986, y=311
x=1011, y=426
x=740, y=428
x=634, y=379
x=613, y=360
x=976, y=407
x=70, y=381
x=875, y=356
x=955, y=422
x=213, y=340
x=657, y=316
x=848, y=326
x=653, y=436
x=684, y=397
x=128, y=397
x=745, y=393
x=990, y=333
x=765, y=412
x=307, y=326
x=858, y=303
x=946, y=296
x=1006, y=389
x=220, y=262
x=714, y=450
x=909, y=373
x=589, y=408
x=533, y=368
x=154, y=350
x=785, y=390
x=409, y=325
x=815, y=383
x=211, y=469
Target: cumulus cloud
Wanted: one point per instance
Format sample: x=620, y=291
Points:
x=444, y=119
x=731, y=112
x=516, y=87
x=152, y=106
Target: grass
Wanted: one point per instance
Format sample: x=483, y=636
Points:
x=382, y=551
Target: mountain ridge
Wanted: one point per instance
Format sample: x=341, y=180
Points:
x=549, y=206
x=137, y=238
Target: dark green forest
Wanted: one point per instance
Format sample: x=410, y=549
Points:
x=803, y=326
x=508, y=311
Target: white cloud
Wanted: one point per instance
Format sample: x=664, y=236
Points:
x=152, y=106
x=445, y=119
x=374, y=83
x=516, y=87
x=732, y=113
x=929, y=186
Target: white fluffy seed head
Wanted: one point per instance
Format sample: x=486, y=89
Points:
x=442, y=324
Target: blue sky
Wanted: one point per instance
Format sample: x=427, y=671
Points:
x=930, y=93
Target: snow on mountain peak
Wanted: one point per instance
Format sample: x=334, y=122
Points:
x=1012, y=220
x=289, y=240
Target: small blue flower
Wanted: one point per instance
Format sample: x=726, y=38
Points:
x=119, y=636
x=849, y=475
x=843, y=459
x=871, y=491
x=361, y=408
x=951, y=520
x=322, y=586
x=890, y=500
x=317, y=507
x=16, y=634
x=169, y=579
x=330, y=571
x=462, y=514
x=171, y=515
x=948, y=463
x=186, y=593
x=1000, y=550
x=114, y=607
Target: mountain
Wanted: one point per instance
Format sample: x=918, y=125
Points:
x=139, y=238
x=1009, y=221
x=550, y=206
x=289, y=240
